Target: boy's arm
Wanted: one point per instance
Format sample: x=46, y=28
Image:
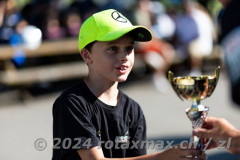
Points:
x=96, y=153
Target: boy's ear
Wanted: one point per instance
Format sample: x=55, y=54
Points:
x=86, y=56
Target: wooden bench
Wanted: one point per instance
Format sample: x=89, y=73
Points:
x=47, y=48
x=12, y=76
x=44, y=73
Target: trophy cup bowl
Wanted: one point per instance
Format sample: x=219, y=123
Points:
x=195, y=89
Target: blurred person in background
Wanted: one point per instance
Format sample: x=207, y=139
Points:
x=12, y=23
x=194, y=36
x=158, y=54
x=16, y=31
x=73, y=23
x=218, y=129
x=57, y=19
x=3, y=4
x=85, y=8
x=53, y=28
x=185, y=33
x=230, y=42
x=143, y=14
x=35, y=12
x=202, y=46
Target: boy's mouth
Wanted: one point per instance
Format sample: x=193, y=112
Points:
x=122, y=67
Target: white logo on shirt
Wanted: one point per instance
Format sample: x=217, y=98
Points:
x=122, y=139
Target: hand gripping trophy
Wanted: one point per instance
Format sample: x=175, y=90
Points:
x=195, y=89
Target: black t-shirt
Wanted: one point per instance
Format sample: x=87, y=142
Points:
x=81, y=120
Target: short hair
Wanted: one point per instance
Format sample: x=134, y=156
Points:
x=89, y=46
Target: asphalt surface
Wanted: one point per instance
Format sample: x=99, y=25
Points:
x=26, y=126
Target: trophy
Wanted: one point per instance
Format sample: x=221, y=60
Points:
x=195, y=89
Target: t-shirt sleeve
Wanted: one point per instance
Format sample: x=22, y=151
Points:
x=138, y=136
x=72, y=127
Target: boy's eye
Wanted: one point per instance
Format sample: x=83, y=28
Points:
x=112, y=49
x=129, y=49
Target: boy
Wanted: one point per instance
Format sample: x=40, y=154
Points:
x=93, y=119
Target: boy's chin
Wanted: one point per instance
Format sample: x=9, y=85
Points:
x=122, y=79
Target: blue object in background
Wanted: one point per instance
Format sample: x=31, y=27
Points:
x=19, y=58
x=15, y=40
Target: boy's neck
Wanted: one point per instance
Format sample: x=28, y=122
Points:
x=106, y=92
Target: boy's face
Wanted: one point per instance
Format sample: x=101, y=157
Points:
x=112, y=60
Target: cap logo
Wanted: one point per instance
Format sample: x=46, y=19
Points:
x=140, y=35
x=118, y=17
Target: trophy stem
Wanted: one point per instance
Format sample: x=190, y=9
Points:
x=195, y=103
x=197, y=114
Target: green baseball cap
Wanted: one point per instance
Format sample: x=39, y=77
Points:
x=109, y=25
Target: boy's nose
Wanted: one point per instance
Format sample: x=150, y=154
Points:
x=124, y=55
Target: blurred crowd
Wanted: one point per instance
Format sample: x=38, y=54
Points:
x=183, y=31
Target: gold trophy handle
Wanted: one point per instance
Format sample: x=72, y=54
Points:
x=170, y=79
x=217, y=73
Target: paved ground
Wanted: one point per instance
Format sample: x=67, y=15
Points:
x=22, y=123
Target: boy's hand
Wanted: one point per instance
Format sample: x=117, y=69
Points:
x=177, y=152
x=174, y=153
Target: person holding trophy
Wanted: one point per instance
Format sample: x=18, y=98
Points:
x=219, y=130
